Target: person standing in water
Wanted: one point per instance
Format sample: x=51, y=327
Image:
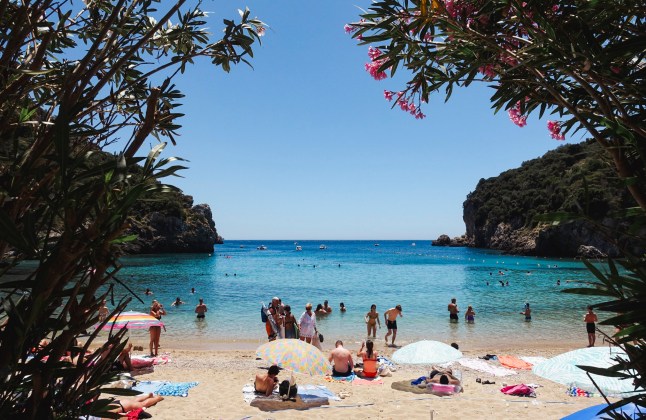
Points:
x=590, y=319
x=453, y=311
x=391, y=322
x=201, y=309
x=470, y=315
x=527, y=312
x=372, y=319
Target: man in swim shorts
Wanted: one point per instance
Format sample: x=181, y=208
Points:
x=590, y=318
x=341, y=359
x=391, y=322
x=201, y=309
x=453, y=311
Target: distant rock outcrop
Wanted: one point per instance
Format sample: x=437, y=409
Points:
x=445, y=240
x=500, y=213
x=172, y=225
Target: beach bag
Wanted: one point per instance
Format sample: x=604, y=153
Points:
x=263, y=314
x=285, y=390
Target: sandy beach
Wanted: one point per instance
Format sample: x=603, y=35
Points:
x=223, y=373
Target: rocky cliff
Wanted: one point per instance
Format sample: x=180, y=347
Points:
x=500, y=213
x=172, y=224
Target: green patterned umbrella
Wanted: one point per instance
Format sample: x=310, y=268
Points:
x=295, y=355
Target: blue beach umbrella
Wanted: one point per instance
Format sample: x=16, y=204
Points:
x=630, y=411
x=563, y=369
x=426, y=352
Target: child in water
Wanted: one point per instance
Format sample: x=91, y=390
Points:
x=470, y=315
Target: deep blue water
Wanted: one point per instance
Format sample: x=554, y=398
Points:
x=423, y=279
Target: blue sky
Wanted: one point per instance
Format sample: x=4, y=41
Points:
x=304, y=146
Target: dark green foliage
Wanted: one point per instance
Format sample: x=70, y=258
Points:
x=75, y=78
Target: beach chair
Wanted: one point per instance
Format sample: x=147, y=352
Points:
x=370, y=368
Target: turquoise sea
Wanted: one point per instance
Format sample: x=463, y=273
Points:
x=238, y=277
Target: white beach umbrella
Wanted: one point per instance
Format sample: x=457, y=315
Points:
x=563, y=369
x=426, y=352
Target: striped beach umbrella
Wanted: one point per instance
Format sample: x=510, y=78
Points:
x=132, y=321
x=563, y=369
x=295, y=355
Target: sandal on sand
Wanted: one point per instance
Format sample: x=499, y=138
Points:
x=478, y=380
x=488, y=383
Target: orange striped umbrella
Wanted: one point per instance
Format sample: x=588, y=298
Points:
x=133, y=321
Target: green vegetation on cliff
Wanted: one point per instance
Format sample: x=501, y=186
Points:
x=574, y=178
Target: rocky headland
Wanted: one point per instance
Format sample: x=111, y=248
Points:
x=501, y=213
x=172, y=225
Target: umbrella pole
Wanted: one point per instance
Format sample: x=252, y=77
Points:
x=599, y=389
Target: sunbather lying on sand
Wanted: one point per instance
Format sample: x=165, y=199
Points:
x=124, y=405
x=443, y=376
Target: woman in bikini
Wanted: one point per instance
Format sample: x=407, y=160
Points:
x=289, y=322
x=156, y=310
x=372, y=319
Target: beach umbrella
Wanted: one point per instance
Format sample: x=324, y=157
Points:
x=426, y=352
x=629, y=411
x=132, y=321
x=563, y=369
x=295, y=355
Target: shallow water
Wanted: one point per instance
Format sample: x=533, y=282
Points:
x=423, y=279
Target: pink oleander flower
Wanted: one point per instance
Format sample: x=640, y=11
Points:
x=373, y=69
x=419, y=115
x=554, y=128
x=403, y=104
x=374, y=53
x=373, y=66
x=260, y=30
x=388, y=95
x=516, y=117
x=488, y=71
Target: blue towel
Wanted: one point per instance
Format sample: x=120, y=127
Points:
x=418, y=380
x=148, y=387
x=177, y=389
x=348, y=378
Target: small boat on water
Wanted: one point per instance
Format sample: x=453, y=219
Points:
x=262, y=248
x=413, y=244
x=299, y=248
x=322, y=246
x=376, y=244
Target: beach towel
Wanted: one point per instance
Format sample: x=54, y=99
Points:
x=249, y=394
x=361, y=381
x=520, y=390
x=514, y=362
x=148, y=387
x=534, y=360
x=165, y=388
x=310, y=393
x=177, y=389
x=275, y=403
x=384, y=361
x=482, y=366
x=349, y=378
x=157, y=360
